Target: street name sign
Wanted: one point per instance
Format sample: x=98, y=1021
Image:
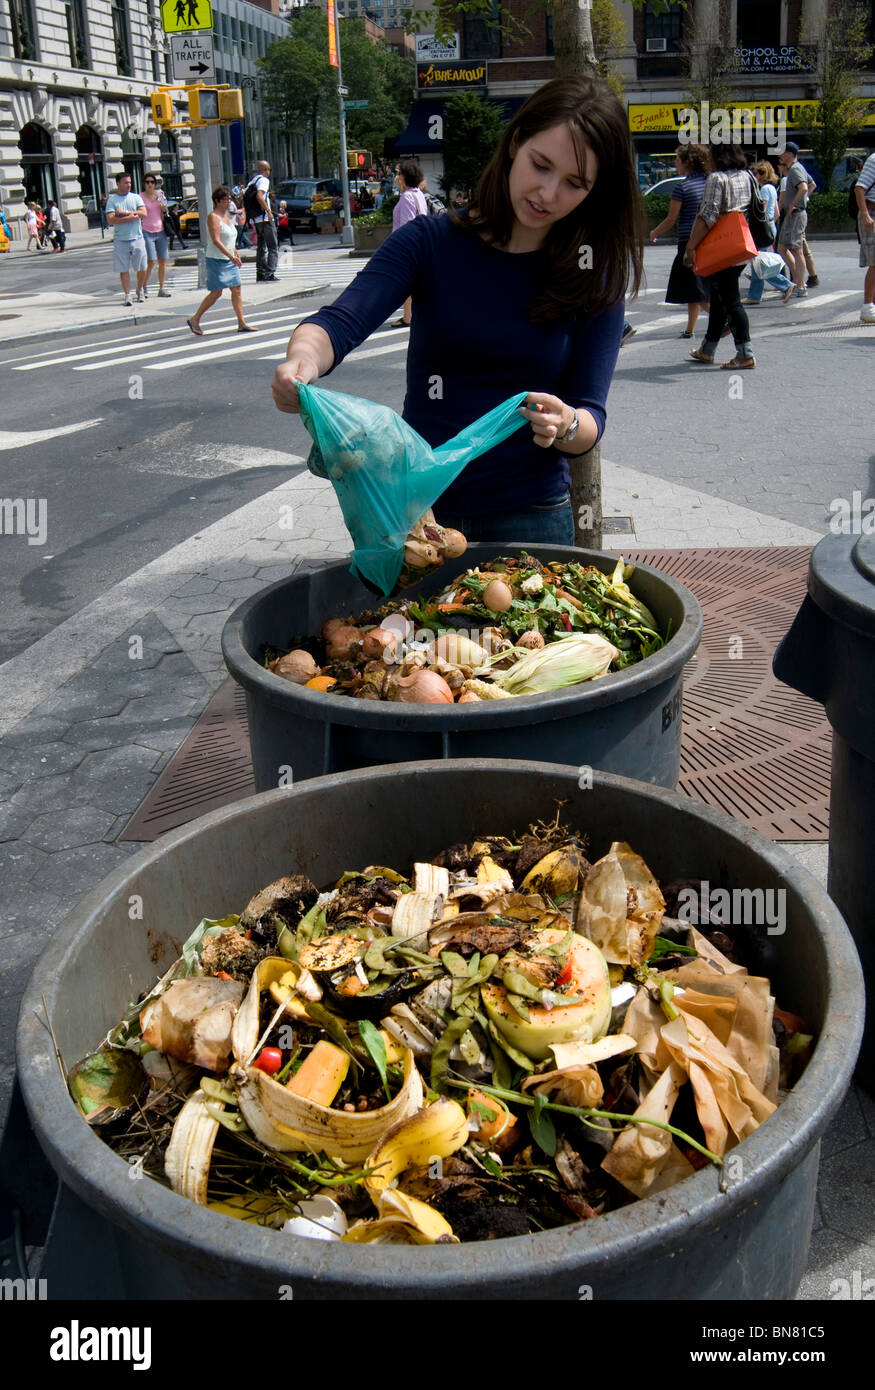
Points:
x=193, y=57
x=356, y=105
x=183, y=16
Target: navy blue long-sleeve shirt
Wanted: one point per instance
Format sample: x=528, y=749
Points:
x=472, y=346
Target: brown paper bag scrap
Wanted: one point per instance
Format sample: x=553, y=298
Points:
x=621, y=907
x=645, y=1159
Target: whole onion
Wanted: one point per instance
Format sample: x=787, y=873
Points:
x=454, y=544
x=342, y=642
x=297, y=666
x=422, y=687
x=531, y=640
x=498, y=596
x=380, y=643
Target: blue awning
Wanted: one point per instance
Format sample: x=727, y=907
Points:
x=416, y=138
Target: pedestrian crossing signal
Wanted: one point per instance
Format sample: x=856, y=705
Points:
x=162, y=108
x=358, y=159
x=214, y=105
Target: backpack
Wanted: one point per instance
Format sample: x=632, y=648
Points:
x=251, y=206
x=757, y=219
x=434, y=205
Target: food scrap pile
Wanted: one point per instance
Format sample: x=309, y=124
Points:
x=505, y=1039
x=514, y=627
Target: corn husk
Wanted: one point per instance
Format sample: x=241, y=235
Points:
x=567, y=661
x=645, y=1159
x=577, y=1084
x=603, y=914
x=291, y=1124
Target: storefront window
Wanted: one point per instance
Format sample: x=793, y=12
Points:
x=132, y=159
x=23, y=30
x=759, y=24
x=37, y=164
x=171, y=181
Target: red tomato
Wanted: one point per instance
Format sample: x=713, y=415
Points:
x=564, y=976
x=269, y=1060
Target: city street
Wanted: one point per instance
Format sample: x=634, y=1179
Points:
x=173, y=432
x=159, y=487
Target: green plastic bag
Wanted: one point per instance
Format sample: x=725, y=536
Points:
x=385, y=475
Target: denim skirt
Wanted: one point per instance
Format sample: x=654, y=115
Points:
x=222, y=274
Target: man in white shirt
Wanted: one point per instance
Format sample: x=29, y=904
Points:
x=257, y=195
x=864, y=190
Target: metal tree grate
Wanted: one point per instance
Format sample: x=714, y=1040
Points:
x=751, y=746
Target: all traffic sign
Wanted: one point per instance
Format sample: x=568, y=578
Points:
x=193, y=58
x=183, y=16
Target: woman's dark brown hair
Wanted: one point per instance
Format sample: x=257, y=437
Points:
x=219, y=192
x=609, y=221
x=696, y=158
x=411, y=173
x=728, y=157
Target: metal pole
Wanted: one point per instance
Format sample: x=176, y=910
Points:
x=203, y=187
x=347, y=237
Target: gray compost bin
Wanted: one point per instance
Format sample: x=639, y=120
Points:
x=829, y=654
x=628, y=722
x=694, y=1241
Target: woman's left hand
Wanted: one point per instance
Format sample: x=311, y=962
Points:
x=548, y=416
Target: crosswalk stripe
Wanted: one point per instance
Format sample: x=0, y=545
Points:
x=361, y=353
x=196, y=350
x=260, y=346
x=818, y=301
x=81, y=354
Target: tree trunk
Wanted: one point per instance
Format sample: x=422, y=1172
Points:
x=572, y=37
x=586, y=498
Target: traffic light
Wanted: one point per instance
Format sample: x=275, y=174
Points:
x=214, y=105
x=162, y=108
x=358, y=159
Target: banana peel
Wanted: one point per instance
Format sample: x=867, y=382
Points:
x=560, y=872
x=292, y=1124
x=190, y=1151
x=435, y=1132
x=402, y=1220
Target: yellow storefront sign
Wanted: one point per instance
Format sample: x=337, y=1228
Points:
x=182, y=16
x=661, y=118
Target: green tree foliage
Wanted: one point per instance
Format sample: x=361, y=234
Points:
x=472, y=129
x=299, y=86
x=608, y=38
x=842, y=50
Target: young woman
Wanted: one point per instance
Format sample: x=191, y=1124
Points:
x=154, y=233
x=728, y=189
x=693, y=164
x=522, y=292
x=223, y=264
x=411, y=203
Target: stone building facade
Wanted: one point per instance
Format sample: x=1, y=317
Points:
x=75, y=82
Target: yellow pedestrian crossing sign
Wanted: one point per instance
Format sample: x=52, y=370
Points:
x=181, y=16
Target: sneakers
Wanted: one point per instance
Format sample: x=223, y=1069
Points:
x=628, y=332
x=141, y=295
x=812, y=281
x=802, y=293
x=128, y=301
x=163, y=294
x=788, y=294
x=867, y=313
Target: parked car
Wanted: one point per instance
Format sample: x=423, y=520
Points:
x=665, y=187
x=189, y=219
x=304, y=198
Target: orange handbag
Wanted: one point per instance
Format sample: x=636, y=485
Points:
x=729, y=242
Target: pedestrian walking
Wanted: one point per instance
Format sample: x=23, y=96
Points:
x=693, y=164
x=766, y=268
x=502, y=303
x=793, y=148
x=154, y=234
x=172, y=226
x=55, y=226
x=124, y=213
x=767, y=179
x=794, y=220
x=864, y=189
x=30, y=223
x=411, y=203
x=256, y=200
x=728, y=189
x=223, y=263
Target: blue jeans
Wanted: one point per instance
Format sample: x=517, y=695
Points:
x=778, y=280
x=547, y=523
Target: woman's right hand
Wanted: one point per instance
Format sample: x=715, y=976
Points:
x=288, y=376
x=236, y=259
